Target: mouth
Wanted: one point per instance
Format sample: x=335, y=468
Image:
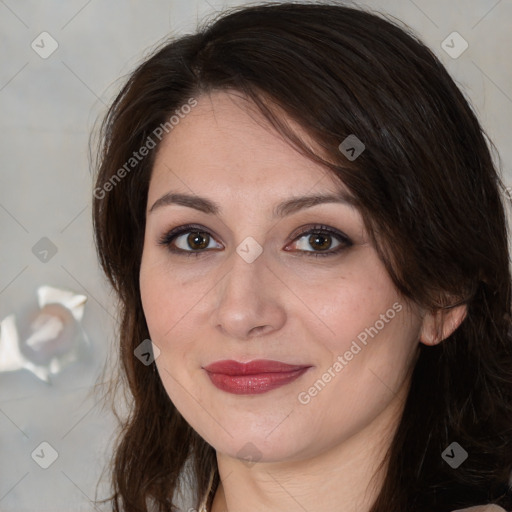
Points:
x=254, y=377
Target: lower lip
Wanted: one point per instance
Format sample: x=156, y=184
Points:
x=254, y=384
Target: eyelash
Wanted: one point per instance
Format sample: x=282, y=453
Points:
x=170, y=236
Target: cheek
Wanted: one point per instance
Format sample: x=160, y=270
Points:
x=367, y=365
x=350, y=302
x=167, y=309
x=375, y=333
x=369, y=342
x=168, y=302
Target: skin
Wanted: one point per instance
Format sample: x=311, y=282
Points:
x=286, y=305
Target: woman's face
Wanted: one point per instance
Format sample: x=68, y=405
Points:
x=298, y=284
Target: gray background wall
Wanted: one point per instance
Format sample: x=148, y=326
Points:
x=48, y=107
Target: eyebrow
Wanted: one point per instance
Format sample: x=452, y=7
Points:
x=283, y=209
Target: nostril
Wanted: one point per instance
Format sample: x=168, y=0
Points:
x=258, y=329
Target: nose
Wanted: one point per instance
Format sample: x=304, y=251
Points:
x=249, y=300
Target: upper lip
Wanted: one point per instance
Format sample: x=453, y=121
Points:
x=231, y=367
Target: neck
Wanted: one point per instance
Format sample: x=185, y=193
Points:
x=348, y=476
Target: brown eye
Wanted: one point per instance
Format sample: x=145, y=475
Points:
x=321, y=240
x=196, y=241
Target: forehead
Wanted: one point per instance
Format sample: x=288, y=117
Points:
x=226, y=143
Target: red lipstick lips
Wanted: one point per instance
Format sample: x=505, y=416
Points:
x=255, y=377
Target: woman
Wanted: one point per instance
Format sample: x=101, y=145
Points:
x=298, y=207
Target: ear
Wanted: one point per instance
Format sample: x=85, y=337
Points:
x=441, y=323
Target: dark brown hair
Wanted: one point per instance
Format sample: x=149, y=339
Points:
x=430, y=197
